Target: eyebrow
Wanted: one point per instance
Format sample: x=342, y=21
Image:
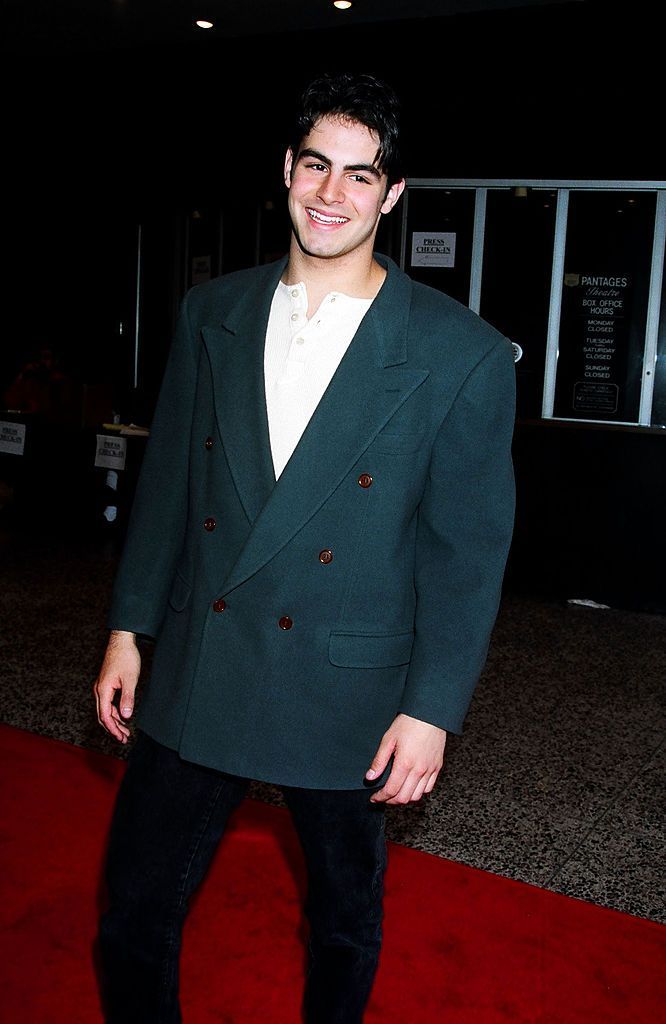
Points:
x=367, y=168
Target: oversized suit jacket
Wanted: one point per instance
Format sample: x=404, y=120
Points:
x=294, y=619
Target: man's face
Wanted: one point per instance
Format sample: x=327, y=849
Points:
x=336, y=194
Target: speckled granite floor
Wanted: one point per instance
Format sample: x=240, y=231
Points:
x=558, y=780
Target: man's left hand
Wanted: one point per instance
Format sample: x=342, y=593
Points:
x=418, y=755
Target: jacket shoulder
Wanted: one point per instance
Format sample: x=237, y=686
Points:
x=212, y=298
x=444, y=331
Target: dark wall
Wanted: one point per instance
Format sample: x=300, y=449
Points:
x=591, y=504
x=105, y=140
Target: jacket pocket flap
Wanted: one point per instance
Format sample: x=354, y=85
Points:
x=370, y=650
x=180, y=593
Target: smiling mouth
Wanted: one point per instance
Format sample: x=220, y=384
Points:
x=320, y=218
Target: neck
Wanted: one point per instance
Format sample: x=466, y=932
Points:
x=361, y=279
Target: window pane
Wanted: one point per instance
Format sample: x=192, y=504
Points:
x=440, y=225
x=604, y=305
x=515, y=290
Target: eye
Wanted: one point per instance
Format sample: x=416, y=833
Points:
x=317, y=167
x=359, y=178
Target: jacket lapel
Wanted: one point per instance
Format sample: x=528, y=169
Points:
x=370, y=384
x=236, y=354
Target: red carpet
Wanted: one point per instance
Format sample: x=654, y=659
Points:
x=461, y=946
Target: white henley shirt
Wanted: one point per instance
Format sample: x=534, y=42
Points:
x=300, y=358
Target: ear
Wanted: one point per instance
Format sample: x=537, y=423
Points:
x=288, y=161
x=393, y=195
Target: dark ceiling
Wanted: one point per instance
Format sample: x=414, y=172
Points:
x=126, y=98
x=80, y=26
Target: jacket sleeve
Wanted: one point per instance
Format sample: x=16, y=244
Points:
x=158, y=519
x=465, y=522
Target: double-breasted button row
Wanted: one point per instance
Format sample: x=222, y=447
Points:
x=285, y=622
x=365, y=480
x=209, y=442
x=219, y=605
x=326, y=556
x=209, y=524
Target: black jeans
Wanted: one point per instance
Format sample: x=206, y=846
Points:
x=169, y=818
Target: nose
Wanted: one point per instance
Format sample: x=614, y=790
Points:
x=331, y=190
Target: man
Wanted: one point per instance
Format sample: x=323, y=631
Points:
x=317, y=541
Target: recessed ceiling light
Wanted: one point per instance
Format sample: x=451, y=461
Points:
x=204, y=24
x=342, y=5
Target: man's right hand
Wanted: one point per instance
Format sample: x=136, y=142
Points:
x=119, y=673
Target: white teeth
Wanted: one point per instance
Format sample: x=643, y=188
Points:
x=326, y=220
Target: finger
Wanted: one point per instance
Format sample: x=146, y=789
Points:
x=406, y=791
x=114, y=726
x=381, y=758
x=104, y=694
x=392, y=786
x=430, y=784
x=114, y=729
x=117, y=720
x=420, y=787
x=109, y=719
x=126, y=702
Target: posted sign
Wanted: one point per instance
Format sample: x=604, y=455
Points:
x=110, y=452
x=12, y=437
x=594, y=342
x=433, y=248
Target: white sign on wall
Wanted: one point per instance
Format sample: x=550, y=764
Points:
x=433, y=248
x=12, y=437
x=110, y=451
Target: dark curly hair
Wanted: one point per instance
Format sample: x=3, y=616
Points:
x=356, y=97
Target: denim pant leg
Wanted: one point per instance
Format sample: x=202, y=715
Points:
x=169, y=818
x=343, y=839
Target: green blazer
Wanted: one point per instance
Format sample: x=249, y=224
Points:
x=295, y=619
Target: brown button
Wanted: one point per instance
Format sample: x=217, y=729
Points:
x=365, y=480
x=209, y=524
x=219, y=605
x=209, y=442
x=326, y=556
x=285, y=622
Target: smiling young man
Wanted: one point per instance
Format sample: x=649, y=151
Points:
x=317, y=543
x=337, y=195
